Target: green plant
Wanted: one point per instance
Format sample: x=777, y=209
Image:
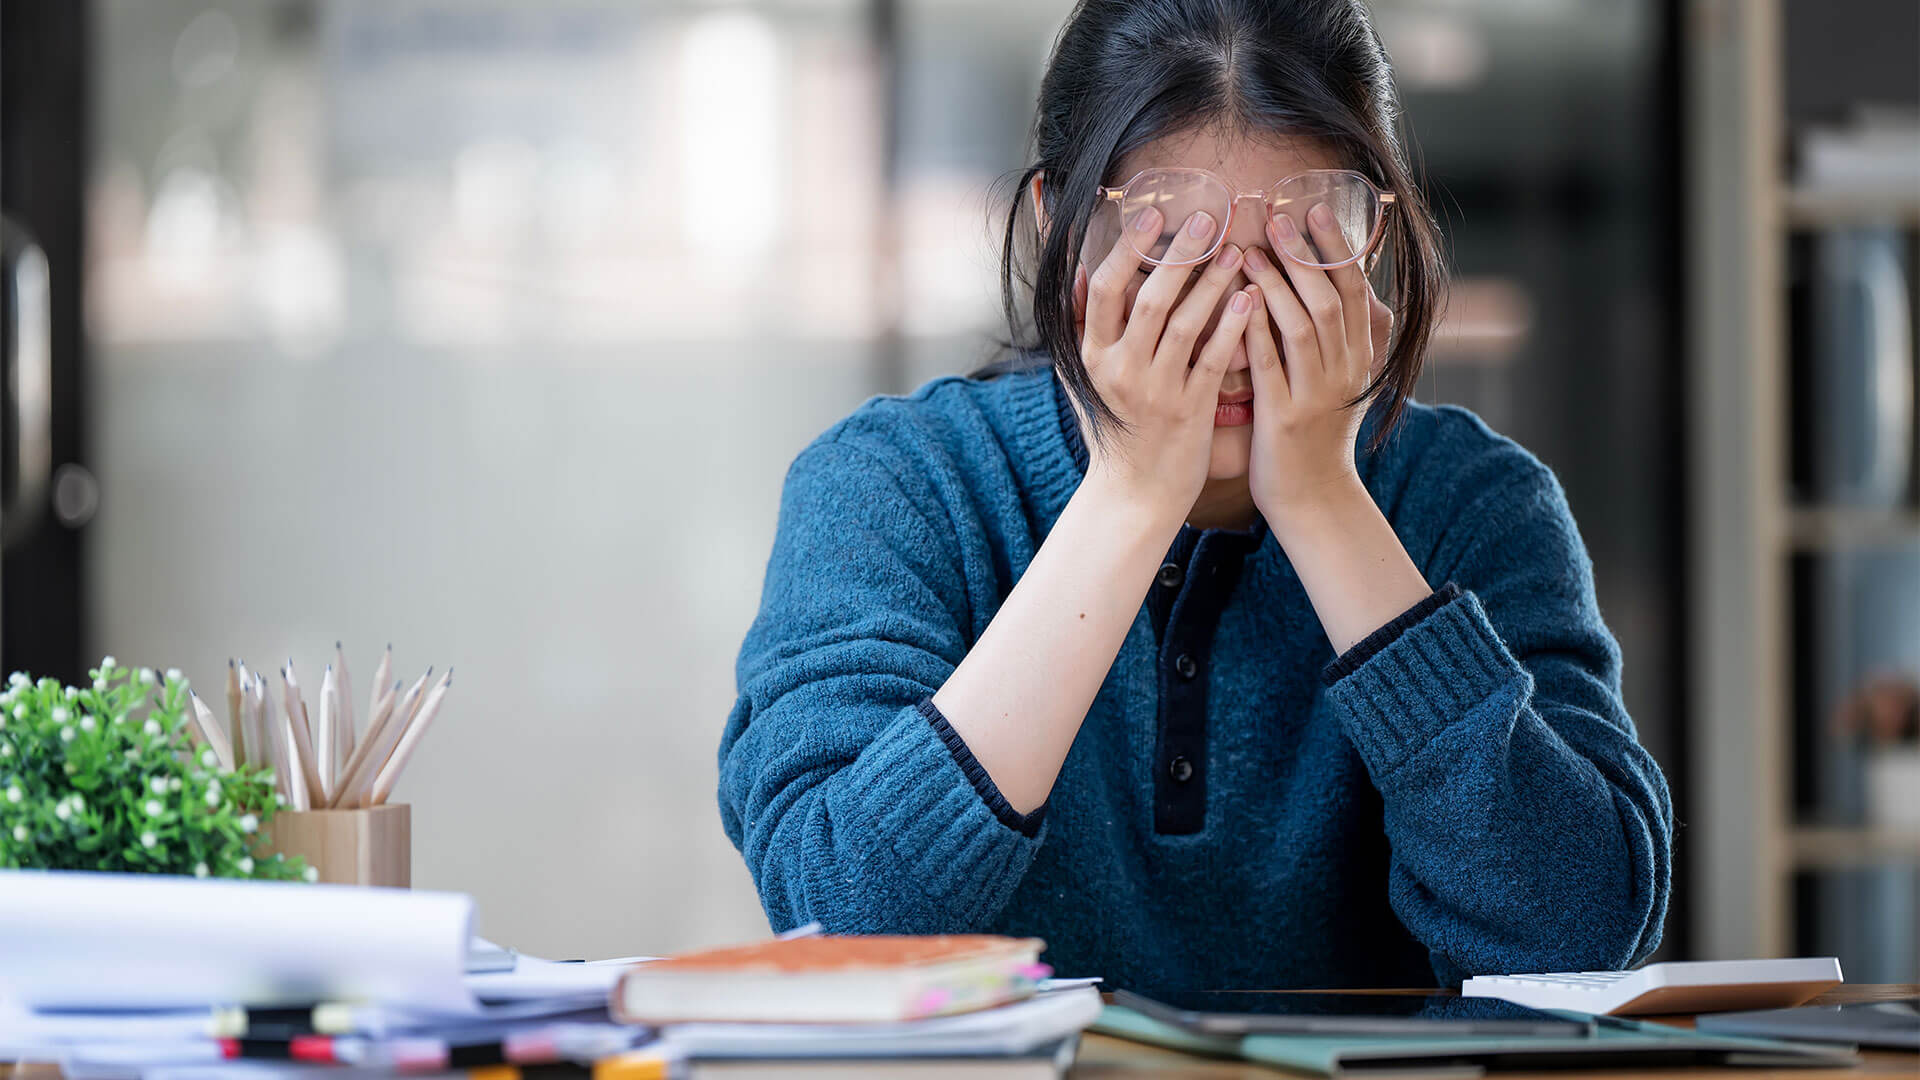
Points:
x=86, y=784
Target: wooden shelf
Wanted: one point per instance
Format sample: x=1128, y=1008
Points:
x=1812, y=208
x=1840, y=846
x=1830, y=528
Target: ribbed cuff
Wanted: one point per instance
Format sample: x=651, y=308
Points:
x=1347, y=662
x=906, y=789
x=1027, y=824
x=1430, y=675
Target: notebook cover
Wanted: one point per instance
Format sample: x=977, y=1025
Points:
x=1331, y=1055
x=842, y=954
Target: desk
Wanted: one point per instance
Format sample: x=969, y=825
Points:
x=1103, y=1057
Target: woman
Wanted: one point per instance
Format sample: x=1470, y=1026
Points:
x=1188, y=643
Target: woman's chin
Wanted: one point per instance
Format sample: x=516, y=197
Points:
x=1232, y=450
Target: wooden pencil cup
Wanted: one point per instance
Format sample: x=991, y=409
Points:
x=370, y=846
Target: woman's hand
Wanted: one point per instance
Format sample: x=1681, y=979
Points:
x=1142, y=362
x=1331, y=329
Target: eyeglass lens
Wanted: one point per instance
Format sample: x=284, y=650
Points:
x=1179, y=195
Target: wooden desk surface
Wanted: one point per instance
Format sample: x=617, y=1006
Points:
x=1103, y=1057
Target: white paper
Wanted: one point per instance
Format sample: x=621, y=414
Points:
x=535, y=978
x=83, y=940
x=1006, y=1029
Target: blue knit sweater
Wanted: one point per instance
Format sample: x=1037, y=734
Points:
x=1460, y=793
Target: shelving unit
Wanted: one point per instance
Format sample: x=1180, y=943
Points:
x=1745, y=845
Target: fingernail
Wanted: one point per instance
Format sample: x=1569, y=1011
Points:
x=1321, y=216
x=1201, y=225
x=1255, y=259
x=1285, y=227
x=1146, y=220
x=1240, y=302
x=1229, y=256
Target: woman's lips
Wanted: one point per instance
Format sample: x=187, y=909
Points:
x=1234, y=409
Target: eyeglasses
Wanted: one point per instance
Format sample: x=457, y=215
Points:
x=1359, y=213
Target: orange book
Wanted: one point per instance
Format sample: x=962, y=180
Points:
x=832, y=979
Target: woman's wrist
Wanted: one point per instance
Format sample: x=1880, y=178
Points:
x=1355, y=570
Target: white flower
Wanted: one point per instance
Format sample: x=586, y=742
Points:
x=311, y=873
x=60, y=714
x=213, y=794
x=211, y=759
x=99, y=684
x=132, y=754
x=62, y=811
x=173, y=674
x=49, y=684
x=148, y=840
x=19, y=712
x=20, y=833
x=248, y=823
x=72, y=693
x=173, y=783
x=106, y=662
x=18, y=678
x=152, y=727
x=66, y=734
x=70, y=768
x=213, y=785
x=279, y=799
x=245, y=864
x=14, y=794
x=86, y=722
x=145, y=676
x=154, y=808
x=158, y=784
x=78, y=804
x=6, y=749
x=199, y=869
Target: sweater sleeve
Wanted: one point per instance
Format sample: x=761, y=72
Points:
x=1530, y=831
x=847, y=803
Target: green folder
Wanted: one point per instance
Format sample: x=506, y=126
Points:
x=1615, y=1043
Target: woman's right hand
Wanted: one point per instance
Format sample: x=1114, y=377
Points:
x=1143, y=365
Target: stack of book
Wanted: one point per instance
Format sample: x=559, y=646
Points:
x=113, y=976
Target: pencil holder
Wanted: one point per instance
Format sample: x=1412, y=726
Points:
x=371, y=846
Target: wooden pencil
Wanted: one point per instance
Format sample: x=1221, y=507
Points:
x=380, y=676
x=371, y=753
x=416, y=729
x=256, y=752
x=323, y=744
x=303, y=746
x=210, y=732
x=343, y=730
x=233, y=714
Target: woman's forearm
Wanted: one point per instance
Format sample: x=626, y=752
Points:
x=1352, y=564
x=1019, y=696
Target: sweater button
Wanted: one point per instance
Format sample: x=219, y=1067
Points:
x=1185, y=665
x=1180, y=769
x=1171, y=575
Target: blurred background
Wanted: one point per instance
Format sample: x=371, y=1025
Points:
x=489, y=328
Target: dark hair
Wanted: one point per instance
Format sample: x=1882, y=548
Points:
x=1126, y=72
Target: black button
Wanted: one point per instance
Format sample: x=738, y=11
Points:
x=1171, y=575
x=1180, y=769
x=1185, y=666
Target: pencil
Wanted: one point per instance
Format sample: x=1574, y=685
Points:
x=380, y=676
x=396, y=726
x=323, y=745
x=233, y=715
x=415, y=730
x=371, y=753
x=209, y=726
x=343, y=731
x=302, y=735
x=269, y=733
x=256, y=749
x=297, y=797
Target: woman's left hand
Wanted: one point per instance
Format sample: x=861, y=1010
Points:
x=1331, y=331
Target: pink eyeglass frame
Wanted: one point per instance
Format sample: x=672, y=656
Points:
x=1385, y=199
